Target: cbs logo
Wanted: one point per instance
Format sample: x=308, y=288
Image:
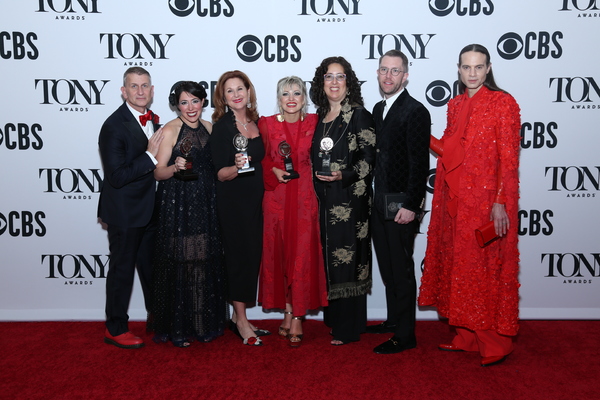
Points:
x=278, y=48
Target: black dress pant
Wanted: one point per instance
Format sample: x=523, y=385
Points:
x=394, y=246
x=347, y=318
x=129, y=248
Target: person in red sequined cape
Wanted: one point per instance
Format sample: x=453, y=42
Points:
x=476, y=181
x=292, y=274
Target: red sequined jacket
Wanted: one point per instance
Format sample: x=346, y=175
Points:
x=475, y=287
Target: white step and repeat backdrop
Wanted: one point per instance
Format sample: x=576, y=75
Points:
x=61, y=71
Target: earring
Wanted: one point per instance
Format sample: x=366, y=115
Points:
x=249, y=105
x=280, y=118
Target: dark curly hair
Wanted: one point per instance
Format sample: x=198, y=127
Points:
x=317, y=93
x=193, y=88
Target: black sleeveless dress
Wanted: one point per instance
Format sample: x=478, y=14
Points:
x=189, y=288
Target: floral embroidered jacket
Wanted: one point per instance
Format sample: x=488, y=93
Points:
x=345, y=205
x=475, y=287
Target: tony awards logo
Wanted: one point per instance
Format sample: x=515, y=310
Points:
x=240, y=142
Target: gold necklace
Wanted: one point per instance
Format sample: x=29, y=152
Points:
x=326, y=133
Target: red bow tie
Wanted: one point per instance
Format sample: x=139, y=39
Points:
x=149, y=116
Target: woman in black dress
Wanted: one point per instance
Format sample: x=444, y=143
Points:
x=345, y=137
x=189, y=300
x=239, y=193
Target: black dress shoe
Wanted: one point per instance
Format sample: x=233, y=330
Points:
x=383, y=327
x=257, y=332
x=261, y=332
x=393, y=346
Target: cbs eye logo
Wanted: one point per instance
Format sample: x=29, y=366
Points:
x=441, y=8
x=538, y=45
x=438, y=93
x=278, y=48
x=183, y=8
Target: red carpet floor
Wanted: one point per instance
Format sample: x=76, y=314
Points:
x=68, y=360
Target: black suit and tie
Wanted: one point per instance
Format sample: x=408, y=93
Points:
x=126, y=205
x=402, y=165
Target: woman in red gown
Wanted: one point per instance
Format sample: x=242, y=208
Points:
x=292, y=275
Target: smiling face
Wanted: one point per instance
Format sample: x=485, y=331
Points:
x=388, y=83
x=473, y=70
x=291, y=101
x=138, y=91
x=335, y=89
x=236, y=94
x=190, y=108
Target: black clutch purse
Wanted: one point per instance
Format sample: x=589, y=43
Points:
x=393, y=202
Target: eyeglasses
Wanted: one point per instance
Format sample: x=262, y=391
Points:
x=337, y=77
x=385, y=70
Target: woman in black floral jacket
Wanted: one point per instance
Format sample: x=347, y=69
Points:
x=343, y=155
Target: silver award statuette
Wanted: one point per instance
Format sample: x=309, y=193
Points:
x=187, y=174
x=240, y=142
x=326, y=146
x=285, y=150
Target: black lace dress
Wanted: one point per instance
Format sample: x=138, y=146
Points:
x=188, y=276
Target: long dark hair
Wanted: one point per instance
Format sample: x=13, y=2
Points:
x=317, y=93
x=490, y=83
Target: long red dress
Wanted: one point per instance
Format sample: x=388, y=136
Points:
x=292, y=268
x=475, y=288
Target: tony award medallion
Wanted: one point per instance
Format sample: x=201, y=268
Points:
x=285, y=150
x=187, y=174
x=326, y=146
x=240, y=142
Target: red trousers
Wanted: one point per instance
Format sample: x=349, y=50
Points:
x=487, y=343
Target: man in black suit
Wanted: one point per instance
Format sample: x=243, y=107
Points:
x=402, y=128
x=128, y=141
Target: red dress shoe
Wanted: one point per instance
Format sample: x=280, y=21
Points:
x=449, y=347
x=125, y=340
x=489, y=361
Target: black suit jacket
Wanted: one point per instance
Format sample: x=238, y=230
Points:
x=402, y=162
x=128, y=189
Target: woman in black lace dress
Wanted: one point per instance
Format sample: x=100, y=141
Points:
x=189, y=301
